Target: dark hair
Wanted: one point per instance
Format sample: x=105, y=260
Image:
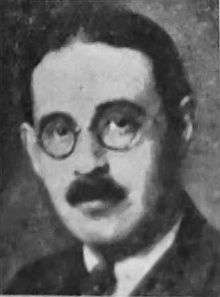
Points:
x=49, y=25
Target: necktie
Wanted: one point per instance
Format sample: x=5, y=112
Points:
x=101, y=281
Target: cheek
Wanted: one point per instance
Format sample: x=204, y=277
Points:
x=57, y=175
x=134, y=168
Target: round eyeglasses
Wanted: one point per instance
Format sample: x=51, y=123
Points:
x=115, y=130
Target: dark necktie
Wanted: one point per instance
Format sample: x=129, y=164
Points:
x=101, y=281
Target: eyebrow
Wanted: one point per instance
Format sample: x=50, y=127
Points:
x=54, y=116
x=117, y=104
x=100, y=110
x=120, y=103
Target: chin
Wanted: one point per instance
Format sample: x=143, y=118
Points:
x=104, y=228
x=103, y=236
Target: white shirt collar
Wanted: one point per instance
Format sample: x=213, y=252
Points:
x=131, y=270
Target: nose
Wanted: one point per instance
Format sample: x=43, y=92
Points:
x=88, y=157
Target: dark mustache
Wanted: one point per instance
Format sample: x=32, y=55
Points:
x=99, y=188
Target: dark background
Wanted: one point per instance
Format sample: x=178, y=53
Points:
x=28, y=228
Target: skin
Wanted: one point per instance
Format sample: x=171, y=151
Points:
x=76, y=80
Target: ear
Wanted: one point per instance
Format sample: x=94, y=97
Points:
x=187, y=108
x=29, y=141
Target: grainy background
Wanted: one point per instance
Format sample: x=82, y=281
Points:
x=28, y=229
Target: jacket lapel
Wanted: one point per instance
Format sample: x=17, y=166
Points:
x=186, y=267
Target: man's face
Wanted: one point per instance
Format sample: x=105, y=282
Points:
x=96, y=140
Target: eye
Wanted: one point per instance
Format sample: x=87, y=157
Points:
x=120, y=133
x=58, y=138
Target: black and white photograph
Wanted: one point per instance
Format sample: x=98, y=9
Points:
x=109, y=148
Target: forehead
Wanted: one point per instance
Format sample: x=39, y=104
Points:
x=79, y=77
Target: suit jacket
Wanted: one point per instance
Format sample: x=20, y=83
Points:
x=191, y=267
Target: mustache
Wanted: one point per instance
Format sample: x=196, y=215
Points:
x=95, y=188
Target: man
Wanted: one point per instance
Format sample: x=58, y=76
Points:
x=108, y=118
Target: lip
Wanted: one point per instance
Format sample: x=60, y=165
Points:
x=97, y=208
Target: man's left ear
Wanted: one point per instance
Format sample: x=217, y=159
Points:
x=187, y=109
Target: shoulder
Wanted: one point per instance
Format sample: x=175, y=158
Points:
x=198, y=253
x=211, y=243
x=47, y=275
